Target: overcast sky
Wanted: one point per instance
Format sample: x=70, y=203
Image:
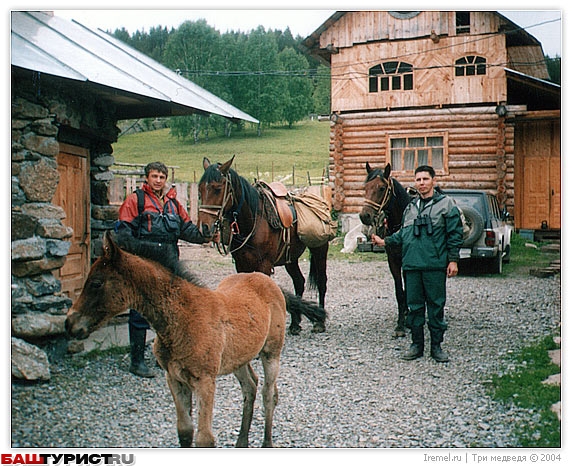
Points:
x=544, y=25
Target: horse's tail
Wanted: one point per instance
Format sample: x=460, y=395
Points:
x=313, y=274
x=295, y=304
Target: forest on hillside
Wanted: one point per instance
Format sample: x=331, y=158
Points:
x=265, y=73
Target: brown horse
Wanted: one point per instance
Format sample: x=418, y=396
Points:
x=201, y=333
x=255, y=245
x=385, y=201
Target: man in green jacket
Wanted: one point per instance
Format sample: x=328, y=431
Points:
x=431, y=235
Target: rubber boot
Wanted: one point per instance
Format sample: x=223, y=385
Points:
x=438, y=354
x=418, y=341
x=137, y=341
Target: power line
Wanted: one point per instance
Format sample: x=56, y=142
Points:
x=313, y=73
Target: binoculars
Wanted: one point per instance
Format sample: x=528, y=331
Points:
x=422, y=221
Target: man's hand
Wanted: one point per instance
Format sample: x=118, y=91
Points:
x=377, y=240
x=452, y=269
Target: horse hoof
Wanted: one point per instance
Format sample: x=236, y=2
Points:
x=295, y=331
x=319, y=327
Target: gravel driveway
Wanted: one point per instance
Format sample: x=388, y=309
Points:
x=344, y=388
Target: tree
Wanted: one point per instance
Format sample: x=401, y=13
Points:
x=194, y=49
x=297, y=86
x=322, y=90
x=259, y=91
x=554, y=68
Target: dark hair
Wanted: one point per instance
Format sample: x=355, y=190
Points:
x=425, y=168
x=158, y=166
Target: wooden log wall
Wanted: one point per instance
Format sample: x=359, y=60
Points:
x=479, y=150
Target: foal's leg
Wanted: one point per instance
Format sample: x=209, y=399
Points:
x=182, y=396
x=295, y=273
x=271, y=365
x=205, y=393
x=248, y=384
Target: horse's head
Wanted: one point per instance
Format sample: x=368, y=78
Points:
x=216, y=195
x=104, y=295
x=377, y=196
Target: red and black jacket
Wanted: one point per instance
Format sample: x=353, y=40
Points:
x=152, y=219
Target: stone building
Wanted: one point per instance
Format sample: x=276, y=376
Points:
x=70, y=87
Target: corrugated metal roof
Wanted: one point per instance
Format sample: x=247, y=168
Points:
x=49, y=44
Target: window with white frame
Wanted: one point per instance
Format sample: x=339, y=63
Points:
x=471, y=65
x=391, y=76
x=409, y=152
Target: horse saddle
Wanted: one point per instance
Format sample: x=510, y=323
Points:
x=276, y=194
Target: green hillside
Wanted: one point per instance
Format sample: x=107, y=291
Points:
x=275, y=155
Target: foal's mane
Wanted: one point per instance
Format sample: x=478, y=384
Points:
x=149, y=252
x=239, y=185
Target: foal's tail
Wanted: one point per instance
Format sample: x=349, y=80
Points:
x=297, y=305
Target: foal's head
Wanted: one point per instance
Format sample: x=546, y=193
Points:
x=378, y=193
x=106, y=293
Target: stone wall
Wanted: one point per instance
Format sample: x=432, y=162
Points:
x=39, y=239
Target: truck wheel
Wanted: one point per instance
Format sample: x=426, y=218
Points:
x=476, y=225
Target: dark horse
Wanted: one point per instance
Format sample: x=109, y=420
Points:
x=201, y=333
x=255, y=244
x=385, y=201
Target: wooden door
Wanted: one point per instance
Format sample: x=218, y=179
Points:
x=73, y=195
x=537, y=171
x=555, y=221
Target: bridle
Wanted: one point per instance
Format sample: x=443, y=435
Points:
x=380, y=218
x=217, y=211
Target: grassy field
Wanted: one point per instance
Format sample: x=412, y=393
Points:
x=524, y=387
x=278, y=154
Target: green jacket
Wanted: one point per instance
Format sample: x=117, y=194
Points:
x=424, y=251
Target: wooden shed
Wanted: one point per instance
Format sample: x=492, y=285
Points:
x=70, y=86
x=466, y=92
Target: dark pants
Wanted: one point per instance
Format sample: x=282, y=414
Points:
x=137, y=321
x=426, y=290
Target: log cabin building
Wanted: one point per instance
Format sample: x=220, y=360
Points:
x=464, y=91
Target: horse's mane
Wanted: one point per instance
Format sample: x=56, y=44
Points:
x=403, y=197
x=239, y=183
x=149, y=251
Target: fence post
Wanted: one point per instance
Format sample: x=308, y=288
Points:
x=193, y=202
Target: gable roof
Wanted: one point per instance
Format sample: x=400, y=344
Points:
x=515, y=35
x=137, y=85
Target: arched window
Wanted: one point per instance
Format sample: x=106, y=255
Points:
x=391, y=76
x=471, y=65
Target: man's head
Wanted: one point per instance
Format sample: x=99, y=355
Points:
x=156, y=175
x=425, y=180
x=158, y=166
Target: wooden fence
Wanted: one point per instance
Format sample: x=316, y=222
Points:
x=128, y=177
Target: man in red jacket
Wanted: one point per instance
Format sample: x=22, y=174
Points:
x=151, y=222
